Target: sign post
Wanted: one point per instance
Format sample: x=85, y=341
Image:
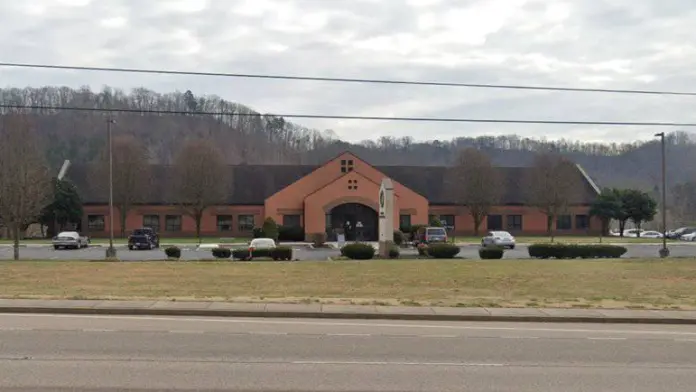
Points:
x=386, y=217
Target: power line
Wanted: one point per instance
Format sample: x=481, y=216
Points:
x=345, y=80
x=337, y=117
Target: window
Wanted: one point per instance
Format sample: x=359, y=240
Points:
x=564, y=222
x=404, y=221
x=172, y=223
x=291, y=221
x=514, y=222
x=246, y=222
x=224, y=222
x=353, y=185
x=95, y=222
x=582, y=222
x=152, y=221
x=495, y=222
x=447, y=221
x=346, y=165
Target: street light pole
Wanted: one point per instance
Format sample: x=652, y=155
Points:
x=664, y=252
x=110, y=251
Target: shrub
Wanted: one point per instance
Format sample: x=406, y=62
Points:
x=258, y=232
x=399, y=237
x=270, y=229
x=222, y=253
x=413, y=230
x=358, y=251
x=282, y=253
x=443, y=251
x=572, y=251
x=240, y=254
x=394, y=252
x=435, y=222
x=422, y=250
x=318, y=240
x=291, y=233
x=173, y=252
x=491, y=252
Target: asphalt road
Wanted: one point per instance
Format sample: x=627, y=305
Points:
x=301, y=253
x=104, y=353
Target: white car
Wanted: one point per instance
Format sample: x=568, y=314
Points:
x=651, y=234
x=688, y=237
x=70, y=240
x=262, y=243
x=499, y=238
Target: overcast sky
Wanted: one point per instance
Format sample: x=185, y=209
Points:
x=634, y=44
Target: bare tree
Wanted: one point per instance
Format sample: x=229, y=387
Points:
x=201, y=180
x=131, y=175
x=25, y=182
x=475, y=184
x=550, y=186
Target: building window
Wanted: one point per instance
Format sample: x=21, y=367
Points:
x=172, y=223
x=404, y=221
x=353, y=185
x=582, y=222
x=494, y=222
x=346, y=165
x=152, y=221
x=95, y=222
x=564, y=222
x=447, y=221
x=291, y=221
x=224, y=222
x=246, y=222
x=514, y=222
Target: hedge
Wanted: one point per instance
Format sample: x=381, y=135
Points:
x=399, y=237
x=222, y=253
x=394, y=252
x=573, y=251
x=443, y=251
x=358, y=251
x=291, y=234
x=491, y=253
x=277, y=253
x=173, y=252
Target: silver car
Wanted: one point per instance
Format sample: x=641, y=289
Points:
x=70, y=240
x=499, y=238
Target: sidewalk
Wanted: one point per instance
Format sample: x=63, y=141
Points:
x=228, y=309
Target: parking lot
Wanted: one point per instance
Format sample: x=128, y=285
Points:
x=45, y=252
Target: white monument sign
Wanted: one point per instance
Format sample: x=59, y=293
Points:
x=386, y=217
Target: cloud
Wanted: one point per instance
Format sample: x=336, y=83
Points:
x=589, y=43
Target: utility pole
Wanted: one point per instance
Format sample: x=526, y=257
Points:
x=664, y=252
x=110, y=251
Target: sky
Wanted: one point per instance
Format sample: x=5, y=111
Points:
x=618, y=44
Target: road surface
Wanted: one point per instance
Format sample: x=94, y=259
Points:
x=300, y=252
x=110, y=353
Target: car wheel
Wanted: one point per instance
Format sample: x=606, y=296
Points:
x=56, y=247
x=130, y=247
x=512, y=246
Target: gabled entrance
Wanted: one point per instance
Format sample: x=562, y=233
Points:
x=358, y=222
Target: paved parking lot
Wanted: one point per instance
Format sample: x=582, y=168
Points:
x=301, y=253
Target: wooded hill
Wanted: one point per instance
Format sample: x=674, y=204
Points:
x=250, y=137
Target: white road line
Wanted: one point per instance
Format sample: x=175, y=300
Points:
x=685, y=340
x=97, y=330
x=10, y=329
x=268, y=333
x=187, y=332
x=607, y=338
x=439, y=336
x=266, y=321
x=518, y=337
x=348, y=334
x=394, y=363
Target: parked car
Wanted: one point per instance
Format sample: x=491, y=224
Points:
x=651, y=234
x=688, y=237
x=136, y=238
x=261, y=243
x=499, y=238
x=430, y=235
x=70, y=240
x=678, y=233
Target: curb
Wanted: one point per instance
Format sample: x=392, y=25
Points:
x=341, y=316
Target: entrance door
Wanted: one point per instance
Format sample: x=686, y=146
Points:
x=358, y=221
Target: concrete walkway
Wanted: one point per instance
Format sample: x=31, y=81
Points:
x=228, y=309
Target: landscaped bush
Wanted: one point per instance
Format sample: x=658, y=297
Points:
x=318, y=240
x=173, y=252
x=573, y=251
x=422, y=250
x=290, y=234
x=222, y=253
x=358, y=251
x=270, y=229
x=258, y=232
x=399, y=237
x=282, y=253
x=394, y=252
x=443, y=251
x=240, y=254
x=413, y=230
x=491, y=252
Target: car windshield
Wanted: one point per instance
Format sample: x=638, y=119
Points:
x=263, y=242
x=141, y=232
x=504, y=234
x=436, y=231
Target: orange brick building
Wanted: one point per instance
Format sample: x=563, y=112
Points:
x=342, y=193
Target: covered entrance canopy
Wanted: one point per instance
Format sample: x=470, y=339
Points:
x=358, y=221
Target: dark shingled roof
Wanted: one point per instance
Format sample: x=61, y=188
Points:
x=252, y=184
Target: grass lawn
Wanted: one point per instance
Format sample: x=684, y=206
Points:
x=573, y=240
x=647, y=283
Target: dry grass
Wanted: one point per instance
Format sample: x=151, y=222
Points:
x=621, y=283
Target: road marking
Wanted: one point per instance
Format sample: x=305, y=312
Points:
x=187, y=332
x=348, y=334
x=685, y=340
x=10, y=329
x=380, y=363
x=439, y=336
x=518, y=337
x=267, y=333
x=97, y=330
x=267, y=321
x=607, y=338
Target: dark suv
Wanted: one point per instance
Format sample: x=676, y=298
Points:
x=144, y=238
